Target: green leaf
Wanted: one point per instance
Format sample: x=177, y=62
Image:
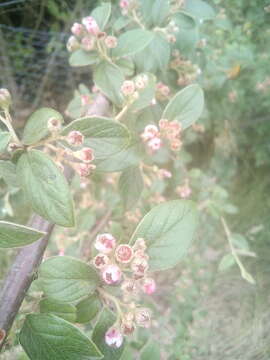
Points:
x=186, y=106
x=47, y=337
x=105, y=136
x=67, y=279
x=155, y=12
x=8, y=173
x=109, y=79
x=102, y=14
x=15, y=235
x=46, y=188
x=130, y=156
x=156, y=55
x=88, y=308
x=150, y=351
x=168, y=231
x=200, y=9
x=126, y=65
x=188, y=36
x=4, y=140
x=83, y=58
x=226, y=262
x=57, y=308
x=146, y=95
x=239, y=241
x=131, y=186
x=105, y=321
x=132, y=41
x=36, y=126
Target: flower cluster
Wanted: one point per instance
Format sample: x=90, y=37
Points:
x=132, y=88
x=126, y=266
x=168, y=131
x=186, y=71
x=88, y=36
x=184, y=191
x=162, y=91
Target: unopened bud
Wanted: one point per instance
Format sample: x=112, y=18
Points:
x=84, y=169
x=154, y=144
x=91, y=25
x=111, y=274
x=128, y=87
x=149, y=286
x=100, y=261
x=114, y=338
x=75, y=138
x=124, y=253
x=110, y=42
x=105, y=243
x=176, y=144
x=5, y=98
x=88, y=43
x=85, y=154
x=77, y=29
x=54, y=125
x=72, y=44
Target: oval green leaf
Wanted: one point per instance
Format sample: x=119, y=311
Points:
x=131, y=42
x=58, y=308
x=36, y=126
x=15, y=235
x=168, y=230
x=67, y=279
x=186, y=106
x=4, y=140
x=88, y=308
x=46, y=188
x=83, y=58
x=131, y=186
x=47, y=337
x=105, y=136
x=102, y=14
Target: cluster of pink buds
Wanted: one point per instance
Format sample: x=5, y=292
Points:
x=184, y=191
x=85, y=155
x=168, y=130
x=170, y=31
x=162, y=91
x=127, y=6
x=128, y=88
x=128, y=267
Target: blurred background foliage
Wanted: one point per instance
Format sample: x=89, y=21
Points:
x=204, y=314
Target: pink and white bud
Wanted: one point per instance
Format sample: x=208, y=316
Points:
x=105, y=243
x=86, y=155
x=164, y=174
x=110, y=42
x=77, y=29
x=5, y=98
x=139, y=266
x=163, y=123
x=54, y=125
x=124, y=4
x=154, y=144
x=141, y=81
x=143, y=317
x=101, y=260
x=128, y=87
x=86, y=100
x=91, y=25
x=184, y=191
x=124, y=253
x=150, y=131
x=72, y=44
x=88, y=43
x=111, y=274
x=149, y=286
x=114, y=338
x=84, y=169
x=176, y=144
x=75, y=138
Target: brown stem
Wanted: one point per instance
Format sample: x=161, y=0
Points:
x=24, y=267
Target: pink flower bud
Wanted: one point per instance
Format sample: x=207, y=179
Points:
x=85, y=100
x=111, y=274
x=101, y=260
x=163, y=123
x=139, y=266
x=154, y=144
x=88, y=43
x=77, y=29
x=176, y=144
x=75, y=138
x=143, y=317
x=141, y=81
x=91, y=25
x=84, y=169
x=114, y=338
x=124, y=253
x=110, y=42
x=72, y=44
x=124, y=4
x=128, y=87
x=54, y=125
x=149, y=286
x=150, y=131
x=85, y=154
x=105, y=243
x=139, y=244
x=163, y=173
